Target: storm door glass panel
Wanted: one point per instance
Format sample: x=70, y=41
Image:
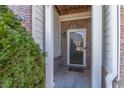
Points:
x=76, y=48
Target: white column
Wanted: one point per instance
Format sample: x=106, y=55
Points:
x=49, y=45
x=96, y=46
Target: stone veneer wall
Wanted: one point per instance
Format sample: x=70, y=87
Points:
x=121, y=82
x=24, y=11
x=76, y=24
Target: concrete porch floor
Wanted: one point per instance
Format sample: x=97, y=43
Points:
x=71, y=79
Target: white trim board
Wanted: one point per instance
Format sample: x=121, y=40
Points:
x=96, y=68
x=118, y=37
x=49, y=47
x=84, y=15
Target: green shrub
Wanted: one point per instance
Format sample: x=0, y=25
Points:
x=21, y=60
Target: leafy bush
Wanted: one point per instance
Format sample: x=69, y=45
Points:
x=21, y=60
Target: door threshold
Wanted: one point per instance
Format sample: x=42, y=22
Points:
x=76, y=66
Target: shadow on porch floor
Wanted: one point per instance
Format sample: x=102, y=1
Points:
x=71, y=79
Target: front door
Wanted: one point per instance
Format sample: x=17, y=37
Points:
x=76, y=46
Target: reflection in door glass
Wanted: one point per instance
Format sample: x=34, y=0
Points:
x=76, y=48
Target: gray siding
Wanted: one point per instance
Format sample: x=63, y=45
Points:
x=107, y=38
x=38, y=25
x=57, y=35
x=110, y=34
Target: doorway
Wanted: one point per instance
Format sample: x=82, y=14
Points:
x=70, y=67
x=76, y=47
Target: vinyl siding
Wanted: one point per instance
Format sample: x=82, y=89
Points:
x=110, y=39
x=107, y=38
x=38, y=25
x=57, y=35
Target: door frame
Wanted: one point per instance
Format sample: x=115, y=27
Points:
x=96, y=73
x=68, y=47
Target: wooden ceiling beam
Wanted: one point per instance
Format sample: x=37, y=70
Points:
x=71, y=9
x=59, y=12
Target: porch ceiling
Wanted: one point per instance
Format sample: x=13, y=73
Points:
x=71, y=9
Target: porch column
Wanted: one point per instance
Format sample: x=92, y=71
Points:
x=96, y=46
x=49, y=45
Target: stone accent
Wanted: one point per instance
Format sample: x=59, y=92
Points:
x=24, y=11
x=76, y=24
x=121, y=82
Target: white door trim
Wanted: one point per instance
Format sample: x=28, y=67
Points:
x=96, y=72
x=68, y=47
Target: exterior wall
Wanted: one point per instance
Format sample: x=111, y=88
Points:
x=110, y=37
x=57, y=42
x=107, y=38
x=57, y=35
x=76, y=24
x=33, y=20
x=38, y=25
x=107, y=42
x=121, y=82
x=25, y=12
